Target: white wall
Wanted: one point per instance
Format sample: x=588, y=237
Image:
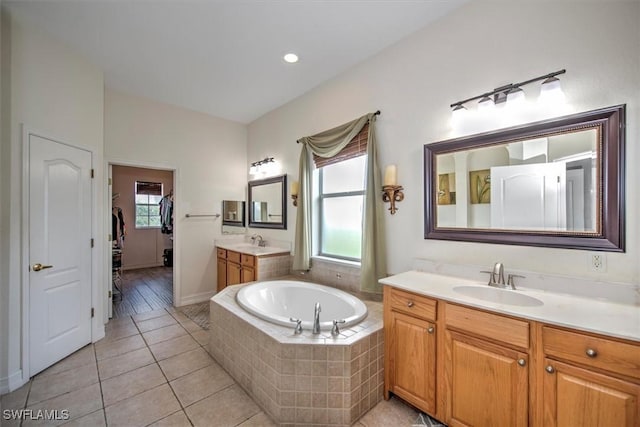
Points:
x=56, y=92
x=480, y=46
x=209, y=155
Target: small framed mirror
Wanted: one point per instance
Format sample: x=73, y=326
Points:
x=233, y=213
x=555, y=183
x=267, y=203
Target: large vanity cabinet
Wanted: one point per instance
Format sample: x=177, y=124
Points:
x=237, y=267
x=471, y=367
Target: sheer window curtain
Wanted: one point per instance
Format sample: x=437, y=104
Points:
x=328, y=144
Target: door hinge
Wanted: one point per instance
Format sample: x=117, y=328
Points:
x=110, y=295
x=92, y=173
x=93, y=312
x=558, y=179
x=91, y=242
x=110, y=238
x=110, y=182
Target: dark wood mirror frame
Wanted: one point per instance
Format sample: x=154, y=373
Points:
x=282, y=225
x=610, y=235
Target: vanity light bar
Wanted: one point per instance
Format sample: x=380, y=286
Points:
x=262, y=162
x=499, y=94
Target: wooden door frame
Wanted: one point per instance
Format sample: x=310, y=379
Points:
x=97, y=328
x=177, y=213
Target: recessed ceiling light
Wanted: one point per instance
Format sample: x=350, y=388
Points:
x=291, y=58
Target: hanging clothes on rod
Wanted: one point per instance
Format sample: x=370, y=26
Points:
x=118, y=230
x=166, y=213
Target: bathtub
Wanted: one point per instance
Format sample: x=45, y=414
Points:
x=279, y=300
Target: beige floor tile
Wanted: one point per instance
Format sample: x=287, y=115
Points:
x=82, y=357
x=202, y=336
x=17, y=399
x=229, y=407
x=156, y=323
x=191, y=326
x=144, y=408
x=120, y=331
x=180, y=317
x=200, y=384
x=47, y=387
x=166, y=349
x=94, y=419
x=106, y=349
x=120, y=321
x=179, y=419
x=259, y=420
x=149, y=315
x=117, y=365
x=79, y=403
x=182, y=364
x=131, y=383
x=390, y=412
x=163, y=334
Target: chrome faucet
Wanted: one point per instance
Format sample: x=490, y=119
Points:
x=316, y=319
x=496, y=277
x=258, y=238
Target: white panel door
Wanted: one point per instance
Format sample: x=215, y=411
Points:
x=530, y=197
x=59, y=251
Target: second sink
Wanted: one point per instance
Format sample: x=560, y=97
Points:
x=499, y=296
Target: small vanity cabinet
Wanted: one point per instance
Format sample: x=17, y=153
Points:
x=589, y=380
x=410, y=343
x=235, y=267
x=238, y=267
x=472, y=367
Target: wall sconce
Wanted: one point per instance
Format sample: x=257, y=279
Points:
x=261, y=166
x=391, y=191
x=295, y=186
x=512, y=95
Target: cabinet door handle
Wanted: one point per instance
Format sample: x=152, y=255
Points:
x=409, y=304
x=522, y=362
x=550, y=369
x=591, y=352
x=431, y=329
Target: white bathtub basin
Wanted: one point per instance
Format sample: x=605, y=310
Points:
x=279, y=300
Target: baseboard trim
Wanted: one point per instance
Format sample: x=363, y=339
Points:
x=139, y=266
x=194, y=299
x=12, y=382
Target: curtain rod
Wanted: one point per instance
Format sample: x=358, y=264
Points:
x=377, y=113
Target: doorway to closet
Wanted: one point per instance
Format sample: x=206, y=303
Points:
x=142, y=239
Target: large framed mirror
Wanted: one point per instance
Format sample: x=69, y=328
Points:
x=267, y=203
x=555, y=183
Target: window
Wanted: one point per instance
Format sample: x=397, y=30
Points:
x=148, y=196
x=341, y=197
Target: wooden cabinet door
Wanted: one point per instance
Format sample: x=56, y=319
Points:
x=413, y=361
x=233, y=273
x=222, y=274
x=488, y=384
x=247, y=274
x=578, y=397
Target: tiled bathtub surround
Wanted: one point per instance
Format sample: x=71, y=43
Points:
x=273, y=266
x=300, y=379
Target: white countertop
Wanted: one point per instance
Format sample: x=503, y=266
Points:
x=250, y=249
x=587, y=314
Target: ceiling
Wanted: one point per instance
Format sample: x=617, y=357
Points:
x=224, y=57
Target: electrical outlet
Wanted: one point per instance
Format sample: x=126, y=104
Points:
x=598, y=262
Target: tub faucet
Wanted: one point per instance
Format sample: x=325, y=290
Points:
x=316, y=319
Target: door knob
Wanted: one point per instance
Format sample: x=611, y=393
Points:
x=38, y=267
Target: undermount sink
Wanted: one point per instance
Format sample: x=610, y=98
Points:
x=499, y=296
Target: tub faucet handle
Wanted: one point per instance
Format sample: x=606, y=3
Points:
x=298, y=329
x=335, y=331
